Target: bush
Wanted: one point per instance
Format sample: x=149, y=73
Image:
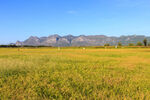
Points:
x=130, y=44
x=107, y=44
x=139, y=44
x=119, y=44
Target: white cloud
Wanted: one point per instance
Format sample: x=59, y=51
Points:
x=71, y=12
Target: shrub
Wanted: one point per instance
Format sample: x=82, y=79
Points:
x=119, y=44
x=139, y=44
x=107, y=44
x=130, y=44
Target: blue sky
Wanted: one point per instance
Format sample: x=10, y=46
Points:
x=20, y=19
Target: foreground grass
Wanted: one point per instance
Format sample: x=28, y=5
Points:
x=48, y=73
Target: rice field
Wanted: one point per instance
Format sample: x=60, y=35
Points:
x=74, y=73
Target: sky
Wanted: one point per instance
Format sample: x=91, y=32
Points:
x=20, y=19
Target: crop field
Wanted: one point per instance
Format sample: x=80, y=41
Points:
x=74, y=73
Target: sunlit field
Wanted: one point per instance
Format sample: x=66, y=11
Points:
x=67, y=73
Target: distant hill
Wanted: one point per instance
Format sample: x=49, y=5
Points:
x=91, y=40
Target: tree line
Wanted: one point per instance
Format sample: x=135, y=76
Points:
x=145, y=43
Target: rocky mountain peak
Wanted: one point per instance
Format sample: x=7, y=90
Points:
x=82, y=40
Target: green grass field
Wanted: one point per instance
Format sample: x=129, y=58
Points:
x=49, y=73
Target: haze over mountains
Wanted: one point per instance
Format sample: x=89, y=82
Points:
x=82, y=40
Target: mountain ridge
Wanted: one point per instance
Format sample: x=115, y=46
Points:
x=81, y=40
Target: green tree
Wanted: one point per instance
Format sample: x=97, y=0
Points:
x=139, y=44
x=148, y=44
x=130, y=44
x=107, y=44
x=145, y=42
x=119, y=44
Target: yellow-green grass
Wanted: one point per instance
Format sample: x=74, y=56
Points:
x=50, y=73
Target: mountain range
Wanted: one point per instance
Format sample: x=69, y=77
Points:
x=82, y=40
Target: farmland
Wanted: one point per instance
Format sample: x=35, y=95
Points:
x=74, y=73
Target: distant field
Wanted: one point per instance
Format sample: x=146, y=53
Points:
x=51, y=73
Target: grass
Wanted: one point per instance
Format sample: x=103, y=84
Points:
x=49, y=73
